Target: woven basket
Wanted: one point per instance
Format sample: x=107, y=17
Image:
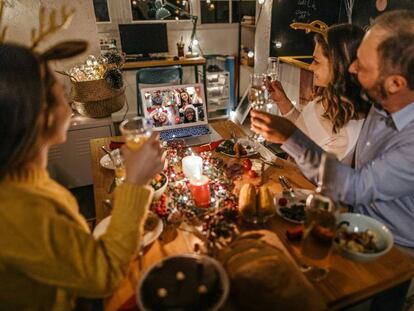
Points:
x=96, y=99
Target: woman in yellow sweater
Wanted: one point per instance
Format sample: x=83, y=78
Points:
x=48, y=256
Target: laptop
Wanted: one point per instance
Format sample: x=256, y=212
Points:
x=179, y=112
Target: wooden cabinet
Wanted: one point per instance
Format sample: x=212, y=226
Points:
x=70, y=163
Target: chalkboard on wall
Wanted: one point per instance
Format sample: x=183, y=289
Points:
x=285, y=41
x=365, y=11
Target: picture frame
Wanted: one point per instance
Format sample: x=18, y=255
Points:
x=243, y=108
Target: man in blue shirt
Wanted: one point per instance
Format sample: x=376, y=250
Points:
x=381, y=182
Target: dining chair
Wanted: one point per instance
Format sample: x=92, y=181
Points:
x=147, y=77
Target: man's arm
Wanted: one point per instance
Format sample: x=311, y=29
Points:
x=389, y=176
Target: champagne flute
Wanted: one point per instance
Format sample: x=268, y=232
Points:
x=318, y=236
x=258, y=96
x=273, y=69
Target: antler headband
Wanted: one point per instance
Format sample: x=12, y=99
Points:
x=61, y=50
x=315, y=26
x=4, y=30
x=53, y=27
x=45, y=29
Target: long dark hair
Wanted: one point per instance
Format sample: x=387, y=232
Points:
x=26, y=96
x=342, y=95
x=21, y=103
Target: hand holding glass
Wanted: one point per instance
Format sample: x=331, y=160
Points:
x=135, y=131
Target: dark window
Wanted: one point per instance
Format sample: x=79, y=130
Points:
x=159, y=10
x=214, y=11
x=242, y=8
x=101, y=10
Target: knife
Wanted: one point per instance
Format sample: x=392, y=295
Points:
x=112, y=186
x=286, y=185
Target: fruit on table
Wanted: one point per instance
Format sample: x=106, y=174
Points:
x=247, y=165
x=247, y=200
x=283, y=201
x=295, y=233
x=252, y=174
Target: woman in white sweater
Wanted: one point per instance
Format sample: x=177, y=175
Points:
x=334, y=118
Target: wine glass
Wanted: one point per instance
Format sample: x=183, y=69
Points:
x=318, y=236
x=135, y=131
x=258, y=97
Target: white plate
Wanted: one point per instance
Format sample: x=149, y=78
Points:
x=106, y=162
x=300, y=194
x=247, y=144
x=147, y=239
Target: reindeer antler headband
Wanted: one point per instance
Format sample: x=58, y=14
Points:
x=315, y=26
x=53, y=26
x=4, y=30
x=48, y=25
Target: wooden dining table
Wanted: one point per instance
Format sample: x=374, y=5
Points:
x=347, y=283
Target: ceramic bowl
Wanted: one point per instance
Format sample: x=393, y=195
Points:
x=359, y=223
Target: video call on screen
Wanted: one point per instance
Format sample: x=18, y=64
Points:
x=168, y=107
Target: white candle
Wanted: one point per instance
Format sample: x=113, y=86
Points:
x=192, y=167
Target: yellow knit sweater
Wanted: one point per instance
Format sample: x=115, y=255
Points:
x=48, y=256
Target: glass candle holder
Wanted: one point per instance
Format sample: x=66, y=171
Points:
x=200, y=190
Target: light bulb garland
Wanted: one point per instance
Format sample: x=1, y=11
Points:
x=217, y=221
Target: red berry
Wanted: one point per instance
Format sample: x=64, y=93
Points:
x=247, y=165
x=283, y=201
x=252, y=174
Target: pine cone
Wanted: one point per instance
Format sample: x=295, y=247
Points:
x=114, y=77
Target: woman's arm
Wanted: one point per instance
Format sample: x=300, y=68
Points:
x=51, y=248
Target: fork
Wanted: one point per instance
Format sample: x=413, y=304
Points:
x=284, y=181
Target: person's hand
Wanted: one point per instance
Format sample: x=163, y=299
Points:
x=273, y=128
x=276, y=91
x=141, y=165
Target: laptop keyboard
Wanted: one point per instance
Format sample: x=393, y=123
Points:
x=185, y=132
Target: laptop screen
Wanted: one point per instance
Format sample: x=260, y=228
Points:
x=174, y=106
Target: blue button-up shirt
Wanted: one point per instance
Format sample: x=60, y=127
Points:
x=381, y=184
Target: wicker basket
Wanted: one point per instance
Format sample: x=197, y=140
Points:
x=96, y=99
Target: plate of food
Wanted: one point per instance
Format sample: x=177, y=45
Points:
x=183, y=282
x=291, y=208
x=159, y=183
x=153, y=228
x=240, y=149
x=106, y=161
x=362, y=238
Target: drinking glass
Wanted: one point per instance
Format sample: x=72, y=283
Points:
x=135, y=131
x=273, y=69
x=258, y=97
x=318, y=236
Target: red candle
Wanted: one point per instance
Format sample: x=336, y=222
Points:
x=200, y=190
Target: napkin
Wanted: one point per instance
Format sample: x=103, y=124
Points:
x=129, y=305
x=115, y=144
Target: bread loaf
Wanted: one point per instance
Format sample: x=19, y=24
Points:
x=265, y=204
x=265, y=277
x=247, y=200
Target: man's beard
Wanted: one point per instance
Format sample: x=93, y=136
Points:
x=376, y=94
